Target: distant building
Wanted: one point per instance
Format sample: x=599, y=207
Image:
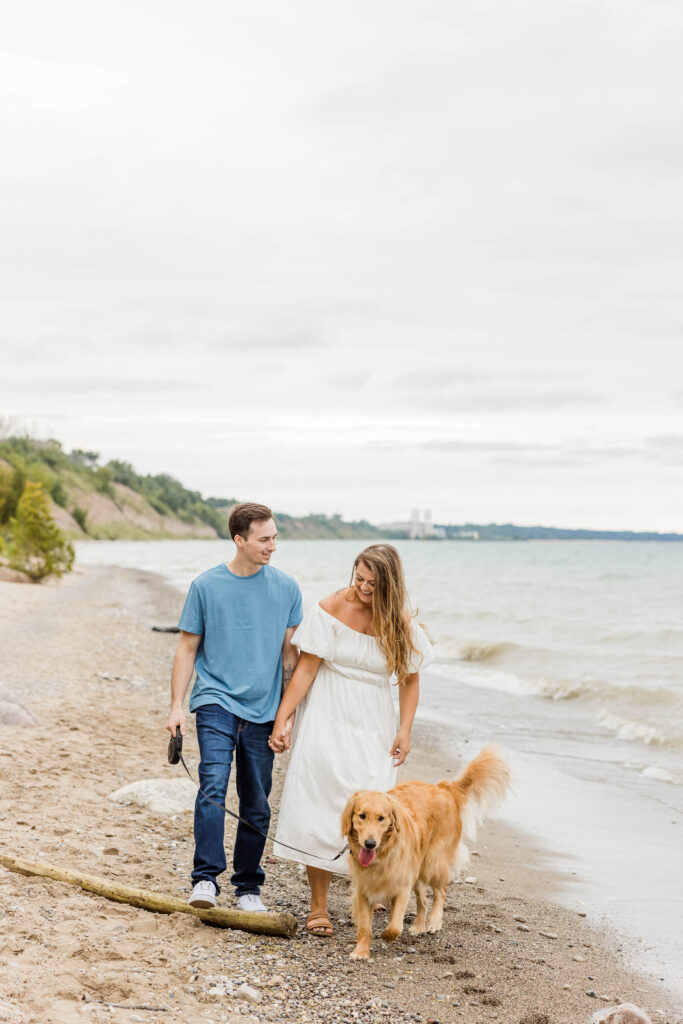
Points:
x=416, y=528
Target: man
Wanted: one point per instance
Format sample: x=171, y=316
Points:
x=236, y=629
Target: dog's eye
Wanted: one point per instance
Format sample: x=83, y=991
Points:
x=380, y=817
x=362, y=816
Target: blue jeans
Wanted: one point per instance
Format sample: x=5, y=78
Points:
x=220, y=734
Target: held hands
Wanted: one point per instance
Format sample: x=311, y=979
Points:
x=400, y=748
x=280, y=738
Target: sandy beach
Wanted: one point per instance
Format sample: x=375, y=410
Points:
x=81, y=655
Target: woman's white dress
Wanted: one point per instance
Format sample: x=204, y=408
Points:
x=343, y=732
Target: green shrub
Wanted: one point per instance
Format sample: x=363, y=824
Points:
x=12, y=481
x=123, y=473
x=103, y=479
x=81, y=517
x=37, y=546
x=59, y=495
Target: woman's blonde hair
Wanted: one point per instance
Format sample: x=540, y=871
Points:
x=391, y=616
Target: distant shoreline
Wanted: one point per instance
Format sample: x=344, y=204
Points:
x=544, y=534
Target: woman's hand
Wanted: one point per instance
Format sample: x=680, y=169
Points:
x=280, y=738
x=400, y=748
x=305, y=672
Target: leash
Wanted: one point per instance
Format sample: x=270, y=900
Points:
x=175, y=754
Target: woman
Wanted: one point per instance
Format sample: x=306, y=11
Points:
x=344, y=738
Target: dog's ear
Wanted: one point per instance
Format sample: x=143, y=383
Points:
x=395, y=815
x=347, y=816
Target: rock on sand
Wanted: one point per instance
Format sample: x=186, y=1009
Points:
x=161, y=796
x=13, y=712
x=625, y=1013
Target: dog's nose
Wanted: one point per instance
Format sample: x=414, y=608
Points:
x=370, y=844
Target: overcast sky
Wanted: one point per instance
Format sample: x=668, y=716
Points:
x=353, y=257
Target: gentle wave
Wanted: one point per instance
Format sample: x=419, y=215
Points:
x=451, y=650
x=639, y=731
x=632, y=713
x=483, y=652
x=512, y=659
x=660, y=774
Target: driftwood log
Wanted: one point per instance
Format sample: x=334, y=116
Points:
x=284, y=925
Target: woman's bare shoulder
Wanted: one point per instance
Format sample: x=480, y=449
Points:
x=333, y=603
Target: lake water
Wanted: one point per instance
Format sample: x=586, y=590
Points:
x=570, y=657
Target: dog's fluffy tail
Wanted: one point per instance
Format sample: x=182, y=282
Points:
x=483, y=784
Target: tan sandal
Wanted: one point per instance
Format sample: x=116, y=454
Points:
x=319, y=924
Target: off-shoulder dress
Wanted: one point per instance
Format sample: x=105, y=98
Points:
x=343, y=732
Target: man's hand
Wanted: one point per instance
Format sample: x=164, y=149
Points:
x=175, y=719
x=281, y=736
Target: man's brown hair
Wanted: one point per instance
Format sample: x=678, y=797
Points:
x=242, y=516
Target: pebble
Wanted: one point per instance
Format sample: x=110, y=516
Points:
x=591, y=992
x=548, y=935
x=522, y=927
x=471, y=880
x=578, y=958
x=521, y=919
x=252, y=995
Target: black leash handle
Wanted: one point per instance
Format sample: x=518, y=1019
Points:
x=175, y=748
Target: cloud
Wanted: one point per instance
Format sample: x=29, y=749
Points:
x=500, y=400
x=99, y=385
x=238, y=341
x=354, y=381
x=482, y=389
x=665, y=448
x=570, y=452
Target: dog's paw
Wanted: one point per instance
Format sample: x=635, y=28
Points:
x=359, y=954
x=415, y=929
x=434, y=927
x=390, y=934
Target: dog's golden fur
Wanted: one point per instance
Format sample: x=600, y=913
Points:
x=415, y=833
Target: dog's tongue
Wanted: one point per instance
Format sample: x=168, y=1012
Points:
x=365, y=857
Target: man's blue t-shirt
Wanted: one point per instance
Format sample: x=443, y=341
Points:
x=242, y=622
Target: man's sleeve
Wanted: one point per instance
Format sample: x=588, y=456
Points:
x=192, y=616
x=296, y=612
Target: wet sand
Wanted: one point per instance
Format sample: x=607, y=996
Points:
x=81, y=655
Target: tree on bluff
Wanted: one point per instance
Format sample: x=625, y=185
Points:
x=37, y=546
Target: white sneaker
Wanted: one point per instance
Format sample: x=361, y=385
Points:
x=252, y=901
x=203, y=895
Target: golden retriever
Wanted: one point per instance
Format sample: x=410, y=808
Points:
x=409, y=838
